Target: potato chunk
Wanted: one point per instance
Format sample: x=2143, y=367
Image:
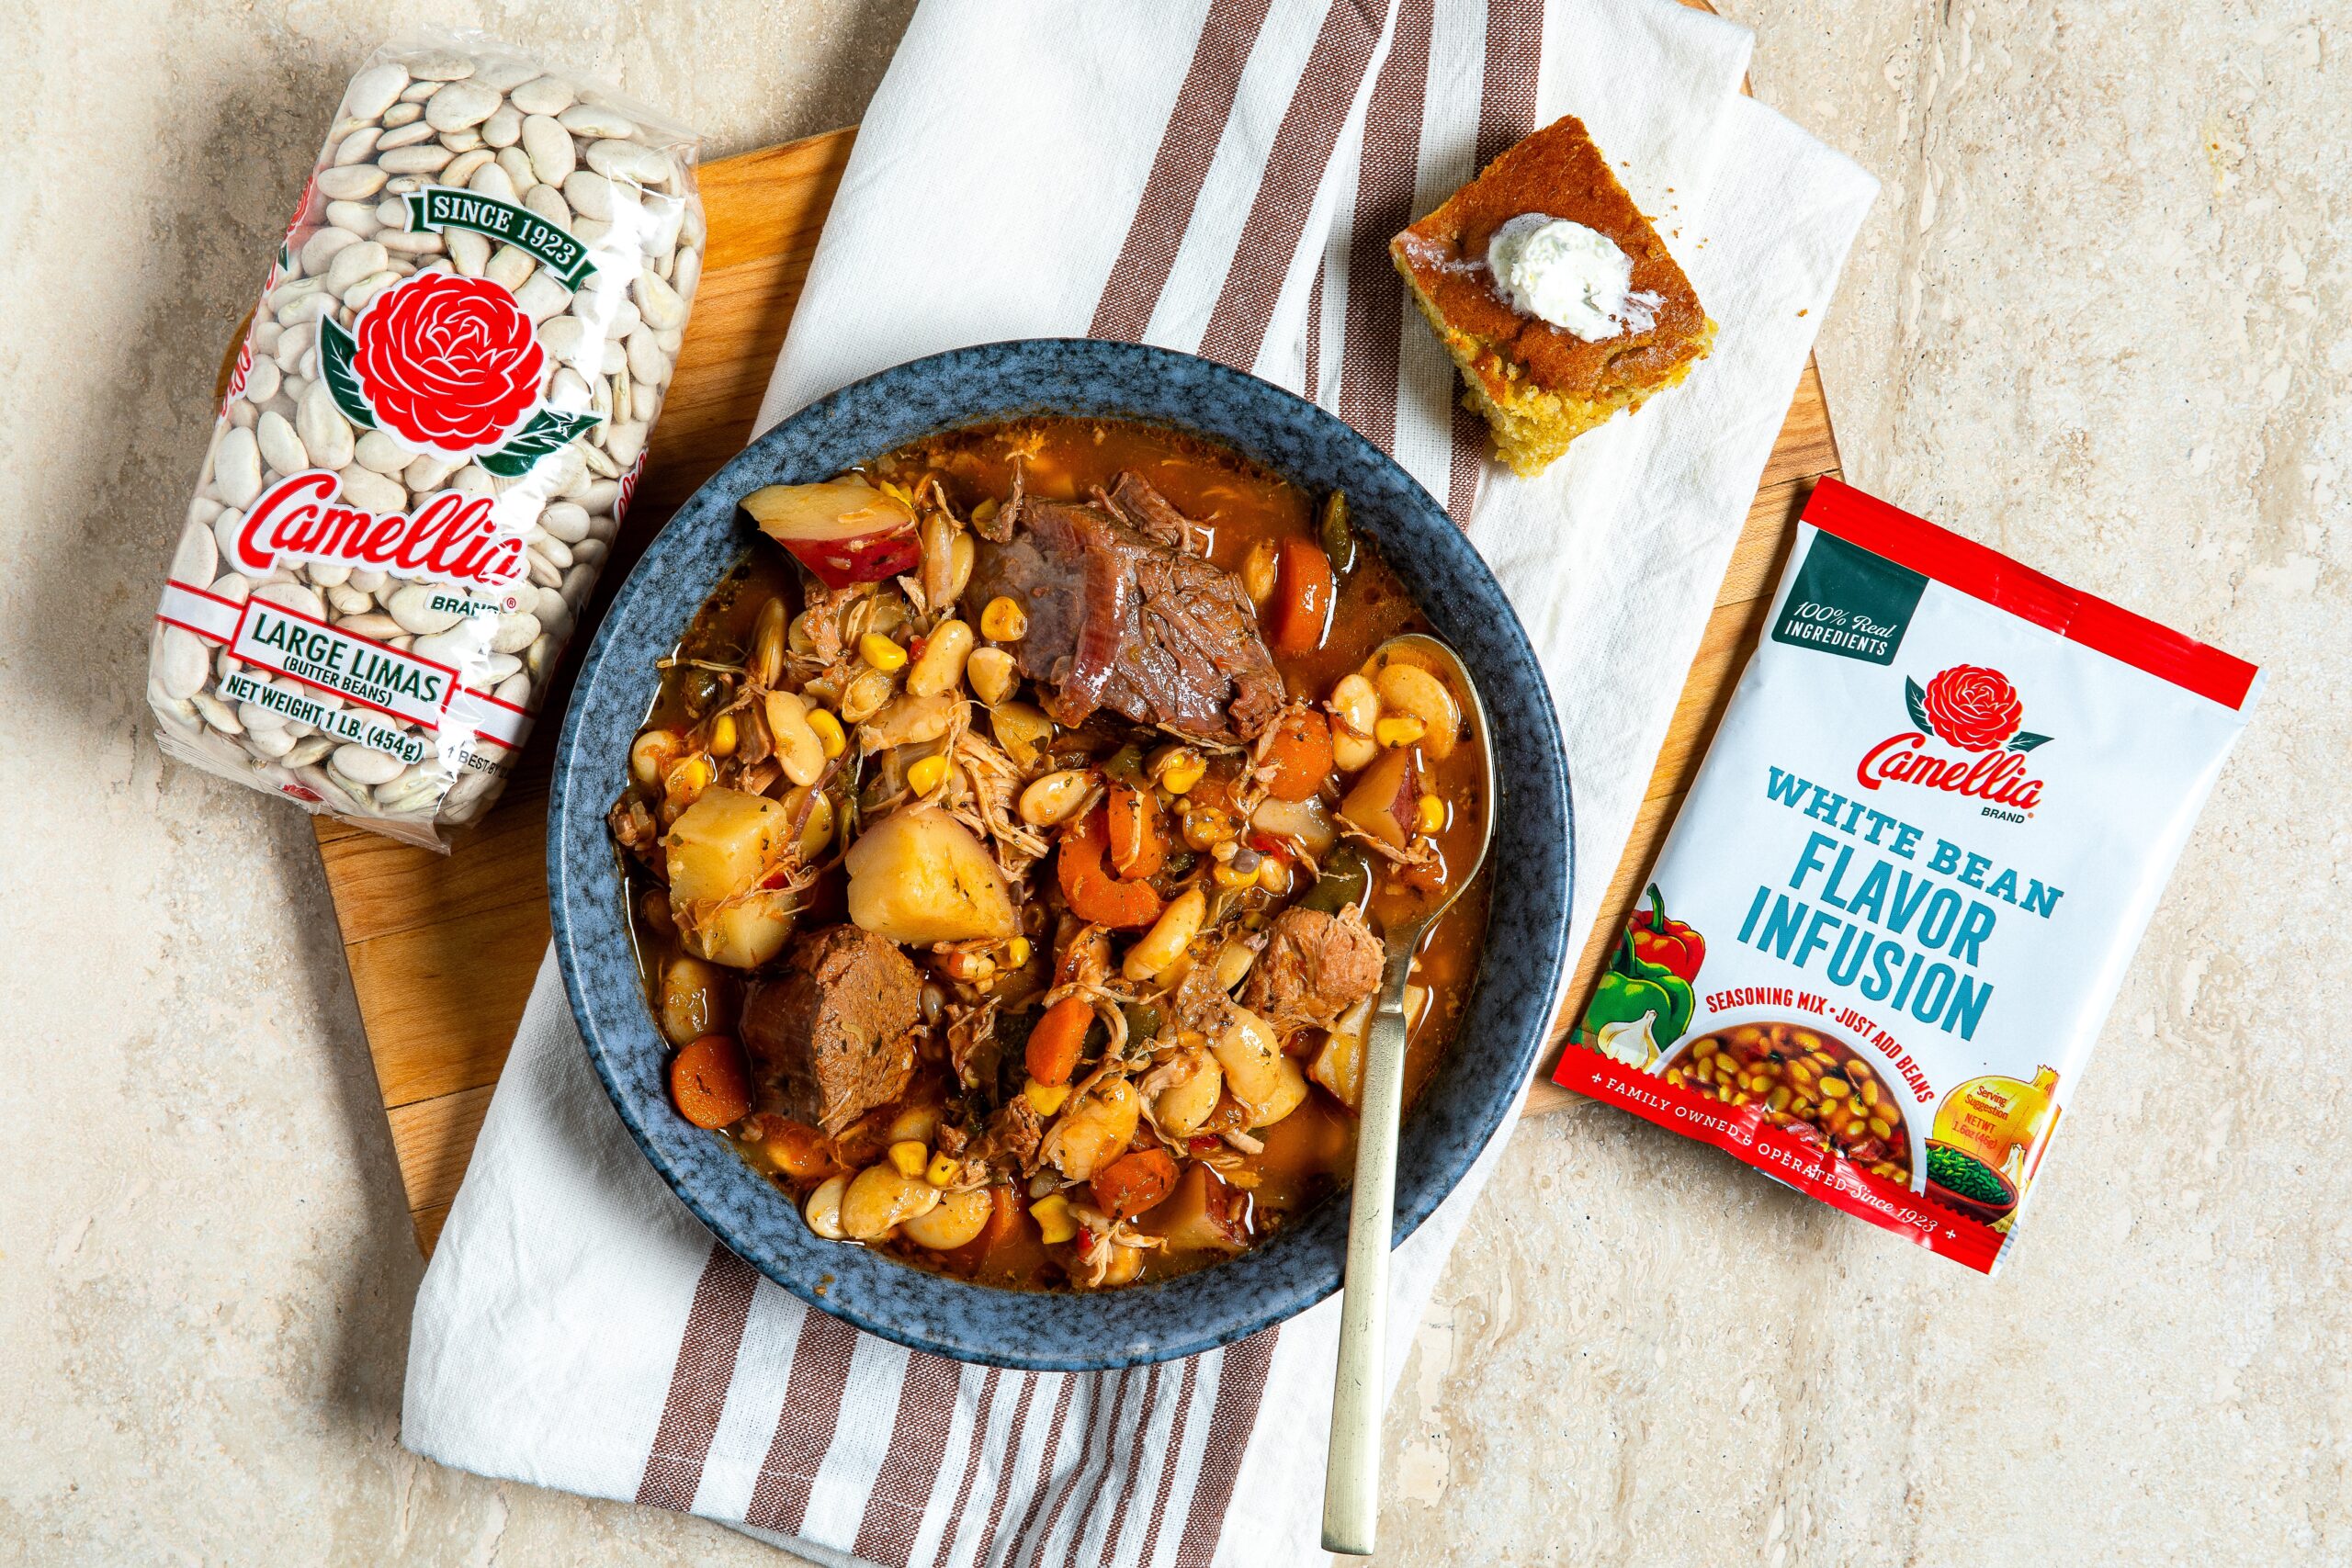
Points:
x=723, y=843
x=918, y=876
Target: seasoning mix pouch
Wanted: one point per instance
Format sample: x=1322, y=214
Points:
x=1900, y=898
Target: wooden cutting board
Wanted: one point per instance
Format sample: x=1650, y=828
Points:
x=444, y=949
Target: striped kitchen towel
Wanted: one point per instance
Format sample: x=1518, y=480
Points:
x=1220, y=177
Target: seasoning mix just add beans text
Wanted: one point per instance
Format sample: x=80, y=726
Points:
x=1900, y=898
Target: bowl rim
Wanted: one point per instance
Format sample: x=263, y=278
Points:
x=578, y=798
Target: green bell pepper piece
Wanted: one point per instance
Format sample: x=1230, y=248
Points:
x=1632, y=986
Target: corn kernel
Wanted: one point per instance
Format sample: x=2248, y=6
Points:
x=1181, y=769
x=1018, y=951
x=1003, y=620
x=1044, y=1098
x=942, y=1170
x=829, y=731
x=686, y=780
x=881, y=653
x=722, y=736
x=909, y=1157
x=927, y=774
x=1228, y=876
x=1429, y=814
x=1053, y=1219
x=1399, y=730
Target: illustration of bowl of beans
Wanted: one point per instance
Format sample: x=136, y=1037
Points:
x=1806, y=1082
x=1968, y=1184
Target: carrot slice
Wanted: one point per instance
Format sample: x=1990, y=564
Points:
x=1134, y=1183
x=1301, y=606
x=1051, y=1054
x=1137, y=848
x=1299, y=754
x=710, y=1082
x=1094, y=895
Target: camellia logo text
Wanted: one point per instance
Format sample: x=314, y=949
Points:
x=1975, y=711
x=450, y=539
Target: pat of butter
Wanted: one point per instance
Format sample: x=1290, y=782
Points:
x=1570, y=276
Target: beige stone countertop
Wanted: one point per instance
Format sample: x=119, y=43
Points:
x=2097, y=320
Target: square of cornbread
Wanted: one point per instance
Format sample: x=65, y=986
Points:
x=1538, y=386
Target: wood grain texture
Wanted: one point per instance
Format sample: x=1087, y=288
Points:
x=444, y=950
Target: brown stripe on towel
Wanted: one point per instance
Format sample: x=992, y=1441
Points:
x=910, y=1470
x=1241, y=1386
x=1505, y=113
x=1294, y=168
x=971, y=1466
x=1043, y=1481
x=1311, y=388
x=804, y=1429
x=698, y=1382
x=1467, y=464
x=1178, y=170
x=1136, y=1436
x=1085, y=1480
x=1175, y=1457
x=1004, y=1472
x=1514, y=64
x=1391, y=157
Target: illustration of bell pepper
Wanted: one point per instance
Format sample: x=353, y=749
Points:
x=1670, y=944
x=1632, y=989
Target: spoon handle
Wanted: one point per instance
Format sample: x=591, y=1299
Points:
x=1351, y=1477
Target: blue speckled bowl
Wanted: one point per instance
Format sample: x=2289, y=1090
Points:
x=1530, y=865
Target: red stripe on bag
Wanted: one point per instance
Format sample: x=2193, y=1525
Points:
x=1005, y=1471
x=698, y=1382
x=910, y=1468
x=1294, y=168
x=1178, y=170
x=804, y=1429
x=1742, y=1132
x=1392, y=145
x=1175, y=1458
x=1241, y=1386
x=1985, y=573
x=1137, y=1436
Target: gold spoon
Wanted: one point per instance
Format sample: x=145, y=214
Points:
x=1351, y=1475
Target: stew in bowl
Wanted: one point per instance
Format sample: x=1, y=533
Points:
x=1034, y=974
x=858, y=980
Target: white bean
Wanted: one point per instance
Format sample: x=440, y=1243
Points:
x=1055, y=800
x=1169, y=935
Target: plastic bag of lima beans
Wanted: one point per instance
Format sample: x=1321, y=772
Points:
x=430, y=434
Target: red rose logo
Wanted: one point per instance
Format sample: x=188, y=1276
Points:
x=447, y=363
x=1973, y=708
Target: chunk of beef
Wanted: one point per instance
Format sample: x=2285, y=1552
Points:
x=1118, y=621
x=832, y=1034
x=1148, y=512
x=1014, y=1137
x=1315, y=966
